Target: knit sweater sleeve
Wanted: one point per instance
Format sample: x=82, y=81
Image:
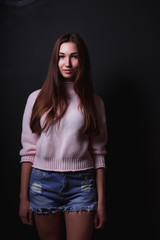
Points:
x=97, y=142
x=28, y=139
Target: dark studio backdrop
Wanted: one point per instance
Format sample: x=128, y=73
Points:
x=123, y=43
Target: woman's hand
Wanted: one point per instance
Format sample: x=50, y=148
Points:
x=100, y=217
x=25, y=212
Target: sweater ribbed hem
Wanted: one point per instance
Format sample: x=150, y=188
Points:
x=63, y=165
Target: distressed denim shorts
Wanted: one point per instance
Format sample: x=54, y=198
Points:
x=51, y=192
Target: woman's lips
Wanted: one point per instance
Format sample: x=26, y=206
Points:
x=67, y=71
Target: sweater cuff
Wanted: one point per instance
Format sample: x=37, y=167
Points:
x=99, y=161
x=29, y=158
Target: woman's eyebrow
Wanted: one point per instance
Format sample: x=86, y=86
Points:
x=74, y=53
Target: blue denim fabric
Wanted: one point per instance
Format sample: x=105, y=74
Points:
x=50, y=192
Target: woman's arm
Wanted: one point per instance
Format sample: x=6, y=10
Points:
x=27, y=153
x=100, y=216
x=24, y=209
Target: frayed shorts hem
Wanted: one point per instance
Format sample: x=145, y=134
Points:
x=43, y=211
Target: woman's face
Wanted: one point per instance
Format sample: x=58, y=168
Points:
x=68, y=60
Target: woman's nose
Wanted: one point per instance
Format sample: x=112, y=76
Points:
x=68, y=62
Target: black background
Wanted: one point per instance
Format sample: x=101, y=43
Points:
x=123, y=43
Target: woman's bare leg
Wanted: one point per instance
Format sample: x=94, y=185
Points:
x=48, y=226
x=79, y=225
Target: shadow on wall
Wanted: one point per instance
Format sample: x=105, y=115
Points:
x=127, y=179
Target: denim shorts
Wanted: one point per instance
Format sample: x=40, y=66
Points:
x=51, y=192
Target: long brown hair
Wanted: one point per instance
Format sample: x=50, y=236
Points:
x=52, y=98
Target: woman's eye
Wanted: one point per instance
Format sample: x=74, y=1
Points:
x=60, y=56
x=75, y=56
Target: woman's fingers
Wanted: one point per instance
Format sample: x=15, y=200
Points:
x=25, y=212
x=100, y=219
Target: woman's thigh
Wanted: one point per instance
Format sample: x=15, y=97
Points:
x=79, y=225
x=48, y=226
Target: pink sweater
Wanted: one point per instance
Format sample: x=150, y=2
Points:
x=64, y=147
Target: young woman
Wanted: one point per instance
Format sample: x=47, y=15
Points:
x=63, y=138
